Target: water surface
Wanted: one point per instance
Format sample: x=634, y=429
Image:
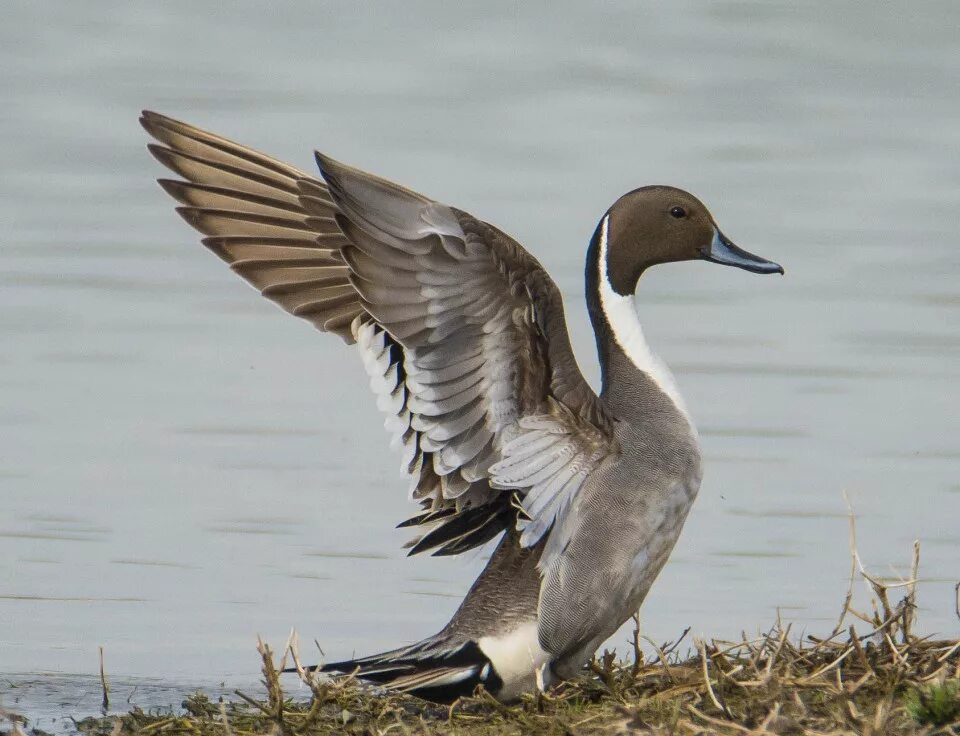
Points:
x=183, y=467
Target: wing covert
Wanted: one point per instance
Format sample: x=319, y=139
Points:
x=485, y=395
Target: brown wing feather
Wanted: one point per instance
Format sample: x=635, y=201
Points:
x=256, y=218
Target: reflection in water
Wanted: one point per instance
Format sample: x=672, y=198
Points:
x=254, y=431
x=152, y=563
x=756, y=554
x=68, y=599
x=908, y=342
x=744, y=459
x=348, y=555
x=789, y=513
x=788, y=371
x=434, y=594
x=51, y=535
x=246, y=530
x=168, y=436
x=759, y=433
x=53, y=701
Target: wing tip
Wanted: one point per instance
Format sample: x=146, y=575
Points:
x=176, y=189
x=164, y=155
x=332, y=172
x=154, y=122
x=148, y=118
x=193, y=216
x=324, y=163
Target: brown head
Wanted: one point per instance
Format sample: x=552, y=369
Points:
x=661, y=224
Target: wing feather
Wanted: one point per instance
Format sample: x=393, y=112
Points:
x=260, y=215
x=460, y=330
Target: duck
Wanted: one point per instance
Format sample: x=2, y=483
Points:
x=463, y=336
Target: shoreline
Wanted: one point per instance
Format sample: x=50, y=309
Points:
x=870, y=674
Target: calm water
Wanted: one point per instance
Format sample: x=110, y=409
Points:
x=175, y=478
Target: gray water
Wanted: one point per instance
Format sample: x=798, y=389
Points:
x=175, y=478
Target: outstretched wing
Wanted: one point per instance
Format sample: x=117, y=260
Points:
x=250, y=208
x=460, y=329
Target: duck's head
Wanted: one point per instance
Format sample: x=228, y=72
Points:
x=661, y=224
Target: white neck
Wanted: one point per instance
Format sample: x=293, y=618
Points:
x=621, y=314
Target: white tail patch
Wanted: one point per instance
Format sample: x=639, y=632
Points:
x=621, y=314
x=517, y=658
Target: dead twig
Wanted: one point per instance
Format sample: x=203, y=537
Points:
x=635, y=642
x=104, y=686
x=706, y=680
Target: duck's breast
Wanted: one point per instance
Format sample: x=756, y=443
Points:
x=625, y=523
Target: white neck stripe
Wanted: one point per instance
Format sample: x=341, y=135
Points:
x=621, y=314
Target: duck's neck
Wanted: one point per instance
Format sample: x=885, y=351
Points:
x=630, y=370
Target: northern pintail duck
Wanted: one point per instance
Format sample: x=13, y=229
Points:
x=463, y=335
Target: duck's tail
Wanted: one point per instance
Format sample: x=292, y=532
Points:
x=439, y=669
x=491, y=639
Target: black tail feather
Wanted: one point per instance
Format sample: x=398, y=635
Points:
x=467, y=529
x=427, y=517
x=438, y=670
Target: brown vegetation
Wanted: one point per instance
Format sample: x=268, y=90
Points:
x=886, y=680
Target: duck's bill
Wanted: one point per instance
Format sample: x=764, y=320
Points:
x=721, y=250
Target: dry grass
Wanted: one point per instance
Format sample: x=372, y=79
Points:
x=882, y=680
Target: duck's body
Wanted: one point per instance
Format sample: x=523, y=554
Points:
x=463, y=335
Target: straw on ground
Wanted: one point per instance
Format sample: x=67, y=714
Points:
x=883, y=679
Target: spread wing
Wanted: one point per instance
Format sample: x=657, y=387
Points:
x=250, y=208
x=460, y=330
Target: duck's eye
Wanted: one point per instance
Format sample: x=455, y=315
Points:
x=678, y=212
